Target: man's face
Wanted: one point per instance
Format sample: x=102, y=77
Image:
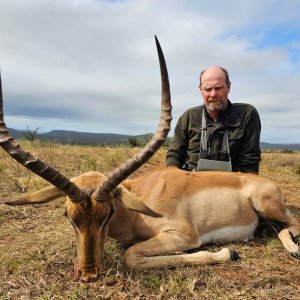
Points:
x=214, y=90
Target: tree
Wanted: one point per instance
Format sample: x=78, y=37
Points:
x=133, y=142
x=31, y=135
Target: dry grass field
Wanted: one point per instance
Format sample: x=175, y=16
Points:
x=37, y=243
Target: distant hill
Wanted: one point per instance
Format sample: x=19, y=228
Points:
x=17, y=134
x=81, y=138
x=74, y=137
x=87, y=138
x=270, y=146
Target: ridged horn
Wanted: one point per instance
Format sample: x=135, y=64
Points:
x=34, y=164
x=132, y=164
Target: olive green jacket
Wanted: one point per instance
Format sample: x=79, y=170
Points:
x=244, y=126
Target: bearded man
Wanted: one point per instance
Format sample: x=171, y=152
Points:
x=218, y=135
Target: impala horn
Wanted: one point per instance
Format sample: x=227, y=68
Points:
x=132, y=164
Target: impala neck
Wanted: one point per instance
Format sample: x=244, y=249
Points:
x=121, y=223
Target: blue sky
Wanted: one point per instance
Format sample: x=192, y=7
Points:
x=92, y=65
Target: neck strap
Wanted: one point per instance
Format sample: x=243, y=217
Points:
x=203, y=142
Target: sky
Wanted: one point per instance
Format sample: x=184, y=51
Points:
x=92, y=66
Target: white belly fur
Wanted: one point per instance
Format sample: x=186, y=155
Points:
x=228, y=234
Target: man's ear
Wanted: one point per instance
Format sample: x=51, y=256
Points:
x=229, y=86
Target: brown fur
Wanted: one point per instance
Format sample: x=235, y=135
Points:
x=195, y=208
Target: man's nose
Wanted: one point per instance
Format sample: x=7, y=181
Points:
x=213, y=92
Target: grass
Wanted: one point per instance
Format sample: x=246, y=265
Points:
x=37, y=243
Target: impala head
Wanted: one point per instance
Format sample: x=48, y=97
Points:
x=89, y=219
x=91, y=197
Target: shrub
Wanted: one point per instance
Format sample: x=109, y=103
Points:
x=297, y=169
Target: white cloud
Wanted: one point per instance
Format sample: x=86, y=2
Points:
x=92, y=65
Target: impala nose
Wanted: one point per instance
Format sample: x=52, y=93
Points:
x=87, y=275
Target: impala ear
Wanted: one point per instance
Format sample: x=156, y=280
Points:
x=42, y=196
x=133, y=203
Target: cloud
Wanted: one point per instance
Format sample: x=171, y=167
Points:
x=92, y=65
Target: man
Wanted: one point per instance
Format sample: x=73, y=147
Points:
x=218, y=132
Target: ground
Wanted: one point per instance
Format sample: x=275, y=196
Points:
x=37, y=243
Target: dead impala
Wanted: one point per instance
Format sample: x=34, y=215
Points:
x=167, y=211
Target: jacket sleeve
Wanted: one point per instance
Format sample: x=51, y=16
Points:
x=250, y=155
x=177, y=153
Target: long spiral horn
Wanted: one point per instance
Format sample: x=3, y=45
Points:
x=131, y=165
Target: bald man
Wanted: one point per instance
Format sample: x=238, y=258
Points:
x=218, y=135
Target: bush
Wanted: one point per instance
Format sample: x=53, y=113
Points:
x=133, y=142
x=287, y=151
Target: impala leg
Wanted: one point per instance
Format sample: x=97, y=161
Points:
x=288, y=235
x=157, y=252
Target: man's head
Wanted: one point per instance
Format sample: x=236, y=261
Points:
x=215, y=87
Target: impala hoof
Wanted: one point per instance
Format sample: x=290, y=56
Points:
x=296, y=255
x=233, y=254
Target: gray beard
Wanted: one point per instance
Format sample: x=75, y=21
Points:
x=215, y=106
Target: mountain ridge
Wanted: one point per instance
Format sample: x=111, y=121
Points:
x=89, y=138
